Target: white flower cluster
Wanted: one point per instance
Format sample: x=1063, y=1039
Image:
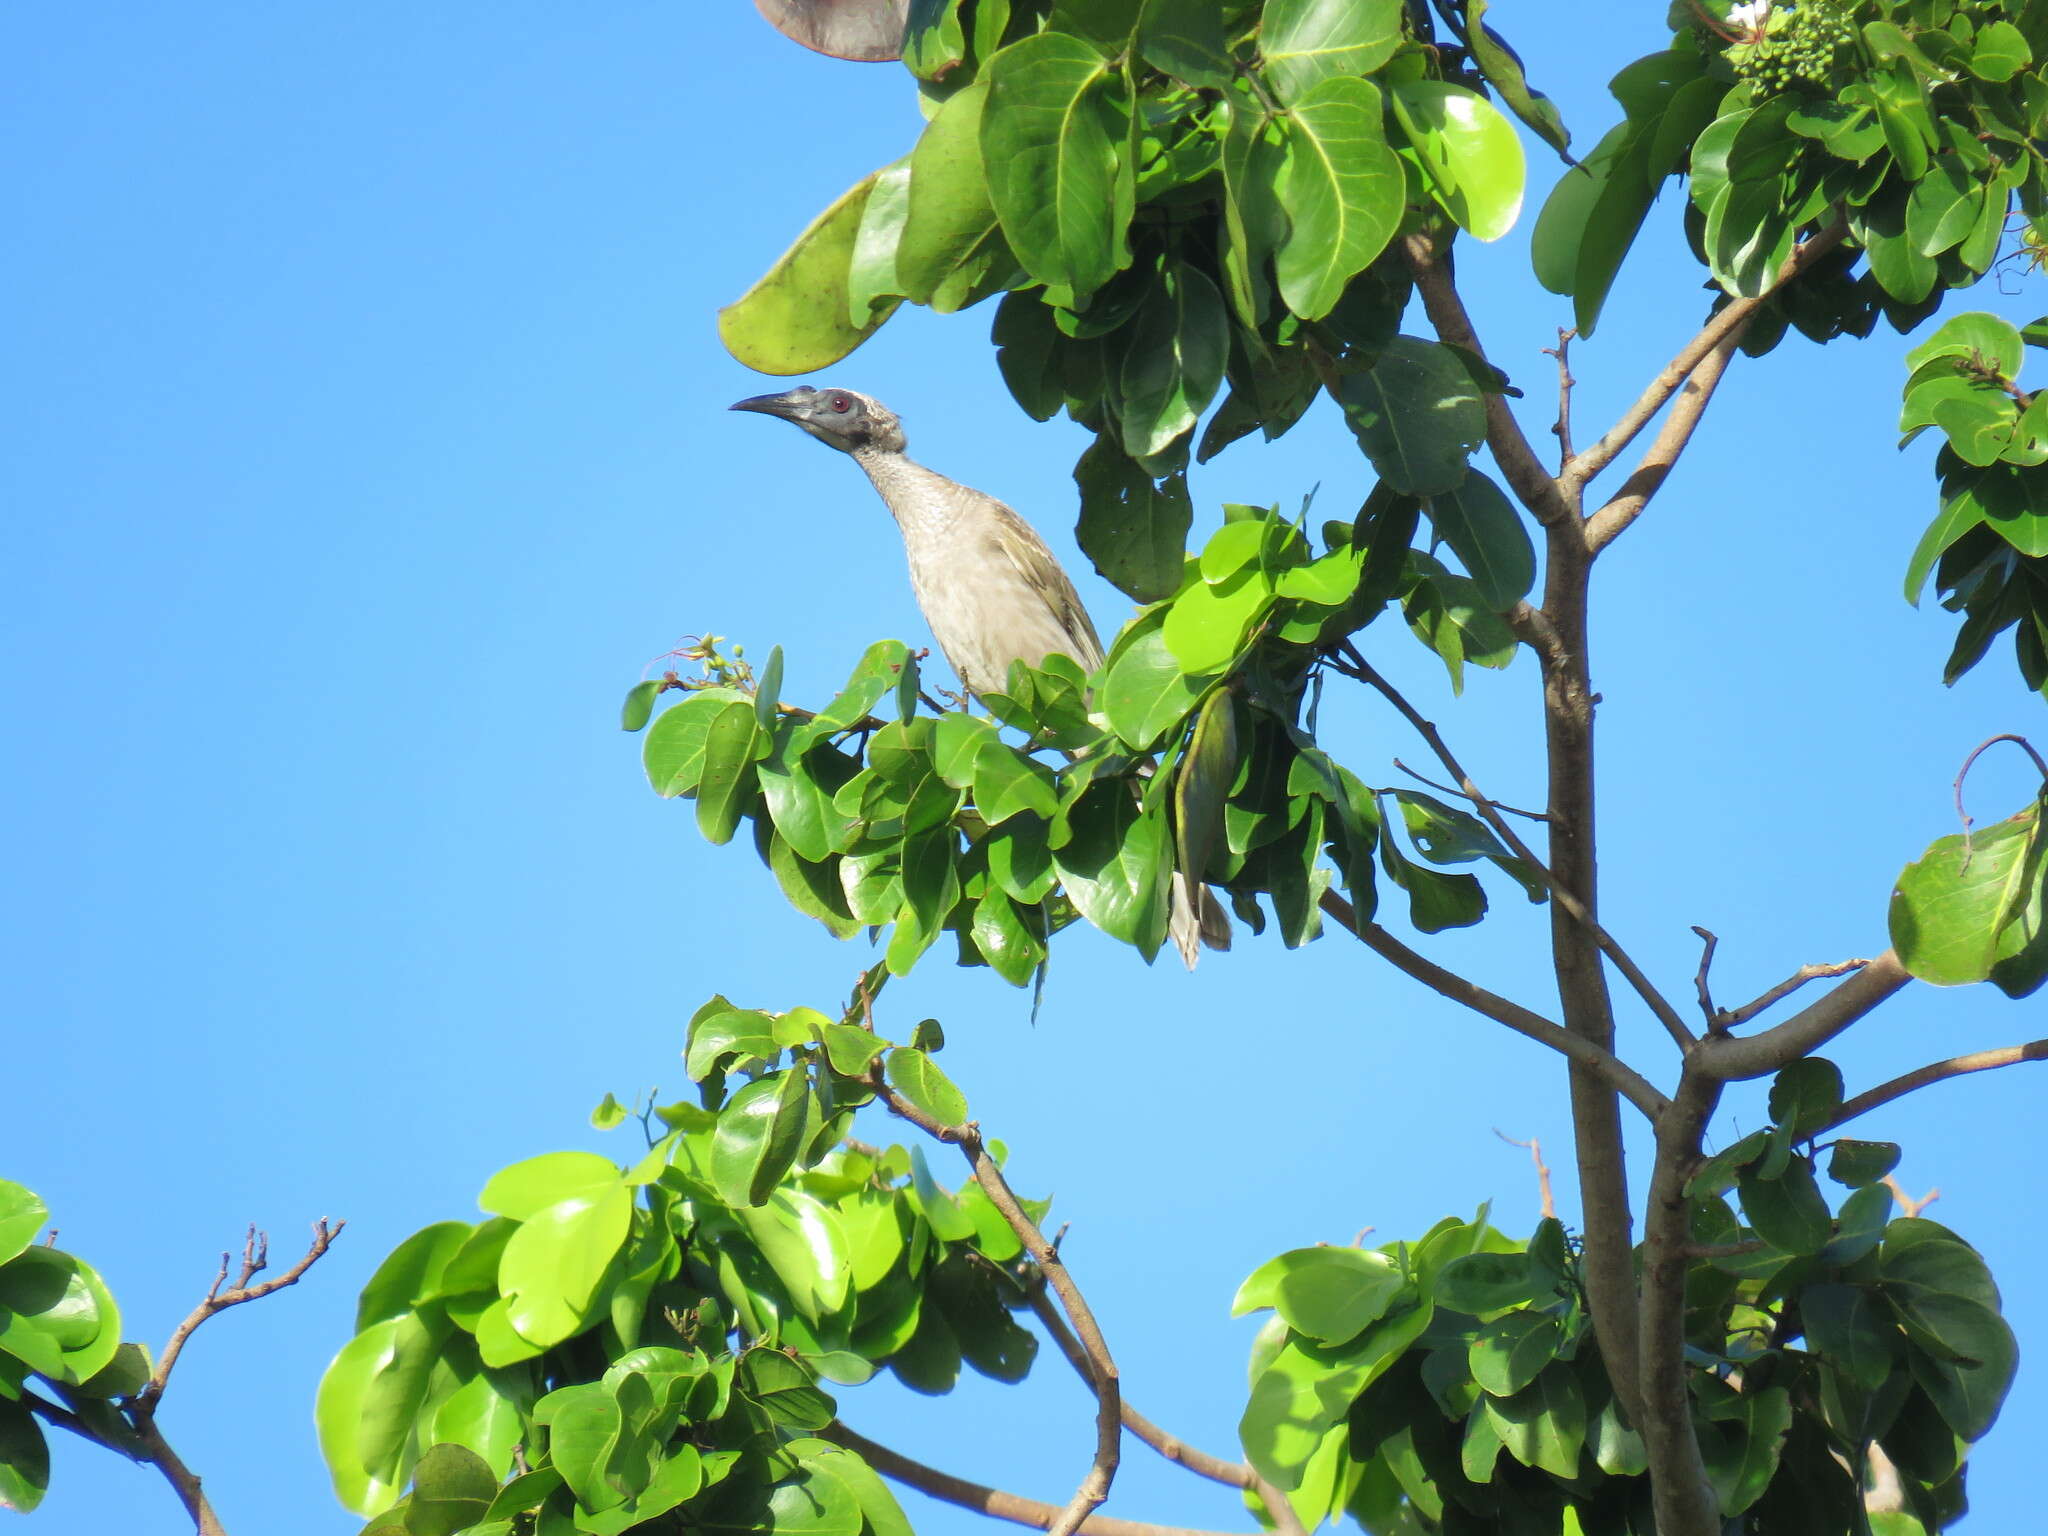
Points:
x=1750, y=18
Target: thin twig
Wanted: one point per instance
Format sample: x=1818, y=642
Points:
x=1626, y=505
x=1935, y=1072
x=1535, y=1150
x=1563, y=429
x=1736, y=1057
x=1732, y=319
x=1356, y=666
x=1233, y=1474
x=1708, y=944
x=1423, y=778
x=1907, y=1203
x=255, y=1253
x=1969, y=762
x=1729, y=1018
x=1604, y=1064
x=983, y=1499
x=1094, y=1487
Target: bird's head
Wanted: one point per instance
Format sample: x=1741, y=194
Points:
x=842, y=418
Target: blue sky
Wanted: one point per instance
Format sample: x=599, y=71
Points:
x=368, y=438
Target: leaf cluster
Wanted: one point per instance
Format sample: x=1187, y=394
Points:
x=618, y=1349
x=1453, y=1385
x=1191, y=750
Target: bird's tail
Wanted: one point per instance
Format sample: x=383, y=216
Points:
x=1197, y=919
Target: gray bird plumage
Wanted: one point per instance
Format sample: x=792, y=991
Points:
x=990, y=589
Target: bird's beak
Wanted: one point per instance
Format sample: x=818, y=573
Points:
x=789, y=406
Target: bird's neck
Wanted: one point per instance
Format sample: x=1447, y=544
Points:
x=923, y=501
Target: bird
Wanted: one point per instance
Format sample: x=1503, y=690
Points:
x=989, y=588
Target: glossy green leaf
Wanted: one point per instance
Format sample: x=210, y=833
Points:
x=1951, y=905
x=1544, y=1424
x=639, y=706
x=1471, y=153
x=1184, y=38
x=788, y=1392
x=1489, y=538
x=949, y=213
x=1789, y=1211
x=729, y=753
x=452, y=1487
x=555, y=1264
x=1417, y=414
x=796, y=318
x=22, y=1216
x=917, y=1077
x=1144, y=690
x=1007, y=783
x=1208, y=626
x=1511, y=1351
x=674, y=749
x=1049, y=146
x=1305, y=42
x=1979, y=339
x=411, y=1275
x=1502, y=68
x=719, y=1037
x=1117, y=867
x=1959, y=514
x=1132, y=527
x=24, y=1459
x=2001, y=51
x=1486, y=1282
x=1329, y=1294
x=760, y=1130
x=1340, y=188
x=1742, y=1456
x=1178, y=342
x=879, y=671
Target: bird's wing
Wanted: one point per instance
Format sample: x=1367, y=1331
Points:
x=1020, y=544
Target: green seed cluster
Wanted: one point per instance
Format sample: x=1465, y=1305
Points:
x=1803, y=51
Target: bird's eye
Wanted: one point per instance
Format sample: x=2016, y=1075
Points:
x=840, y=403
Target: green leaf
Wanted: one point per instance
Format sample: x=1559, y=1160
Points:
x=1852, y=1331
x=2001, y=52
x=1742, y=1456
x=786, y=1390
x=22, y=1215
x=917, y=1077
x=411, y=1275
x=639, y=706
x=1502, y=68
x=1788, y=1212
x=1208, y=626
x=1178, y=342
x=1305, y=42
x=1144, y=690
x=729, y=753
x=1049, y=146
x=1857, y=1163
x=24, y=1459
x=1951, y=905
x=1484, y=531
x=799, y=781
x=554, y=1265
x=879, y=671
x=1986, y=341
x=1805, y=1095
x=1330, y=1294
x=452, y=1487
x=760, y=1131
x=1485, y=1282
x=1117, y=866
x=948, y=1220
x=1202, y=783
x=796, y=318
x=718, y=1037
x=1006, y=783
x=584, y=1427
x=1470, y=151
x=1511, y=1351
x=1131, y=527
x=1184, y=38
x=1544, y=1424
x=850, y=1048
x=1340, y=187
x=949, y=214
x=1959, y=514
x=674, y=749
x=1417, y=414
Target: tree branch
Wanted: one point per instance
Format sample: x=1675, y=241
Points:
x=992, y=1502
x=1935, y=1072
x=1233, y=1474
x=1562, y=431
x=1357, y=666
x=1543, y=496
x=1731, y=321
x=1603, y=1064
x=1684, y=1498
x=255, y=1257
x=1732, y=1058
x=1094, y=1487
x=1607, y=524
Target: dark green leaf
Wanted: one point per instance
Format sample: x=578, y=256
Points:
x=639, y=705
x=917, y=1077
x=1132, y=527
x=1341, y=191
x=1857, y=1163
x=1184, y=38
x=1511, y=1351
x=1417, y=414
x=1484, y=531
x=452, y=1487
x=1485, y=1282
x=1117, y=866
x=1852, y=1331
x=1178, y=343
x=1304, y=42
x=1805, y=1095
x=949, y=214
x=1788, y=1212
